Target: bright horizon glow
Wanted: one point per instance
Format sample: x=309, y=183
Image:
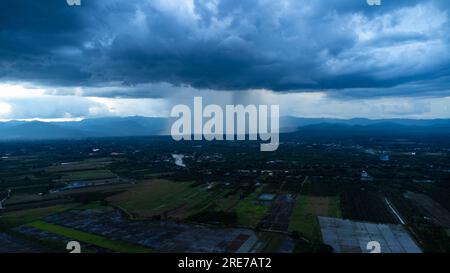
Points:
x=26, y=103
x=8, y=91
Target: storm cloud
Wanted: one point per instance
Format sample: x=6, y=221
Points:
x=132, y=48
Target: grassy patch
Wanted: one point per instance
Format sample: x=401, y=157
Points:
x=249, y=211
x=89, y=238
x=202, y=201
x=17, y=218
x=307, y=208
x=87, y=175
x=228, y=203
x=93, y=205
x=158, y=196
x=273, y=241
x=334, y=207
x=302, y=221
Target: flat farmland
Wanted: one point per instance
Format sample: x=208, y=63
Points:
x=347, y=236
x=16, y=218
x=250, y=211
x=9, y=244
x=308, y=208
x=87, y=164
x=100, y=241
x=363, y=205
x=111, y=229
x=276, y=242
x=201, y=201
x=229, y=202
x=279, y=215
x=87, y=175
x=175, y=199
x=439, y=215
x=235, y=209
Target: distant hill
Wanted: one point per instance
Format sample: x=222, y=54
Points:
x=294, y=122
x=99, y=127
x=376, y=129
x=144, y=126
x=128, y=126
x=37, y=130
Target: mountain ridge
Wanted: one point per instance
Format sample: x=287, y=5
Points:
x=147, y=126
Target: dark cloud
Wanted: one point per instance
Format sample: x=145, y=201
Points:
x=146, y=48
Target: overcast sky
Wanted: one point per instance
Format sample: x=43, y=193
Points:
x=316, y=58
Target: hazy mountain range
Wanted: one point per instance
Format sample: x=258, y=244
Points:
x=144, y=126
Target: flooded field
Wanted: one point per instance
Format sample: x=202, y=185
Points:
x=346, y=236
x=161, y=236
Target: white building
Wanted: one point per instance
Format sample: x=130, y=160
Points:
x=365, y=176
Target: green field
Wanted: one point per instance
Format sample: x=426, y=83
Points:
x=273, y=241
x=200, y=202
x=249, y=211
x=87, y=164
x=89, y=238
x=153, y=197
x=181, y=199
x=307, y=208
x=228, y=203
x=87, y=175
x=17, y=218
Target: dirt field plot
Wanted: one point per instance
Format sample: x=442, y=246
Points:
x=439, y=215
x=279, y=214
x=363, y=205
x=346, y=236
